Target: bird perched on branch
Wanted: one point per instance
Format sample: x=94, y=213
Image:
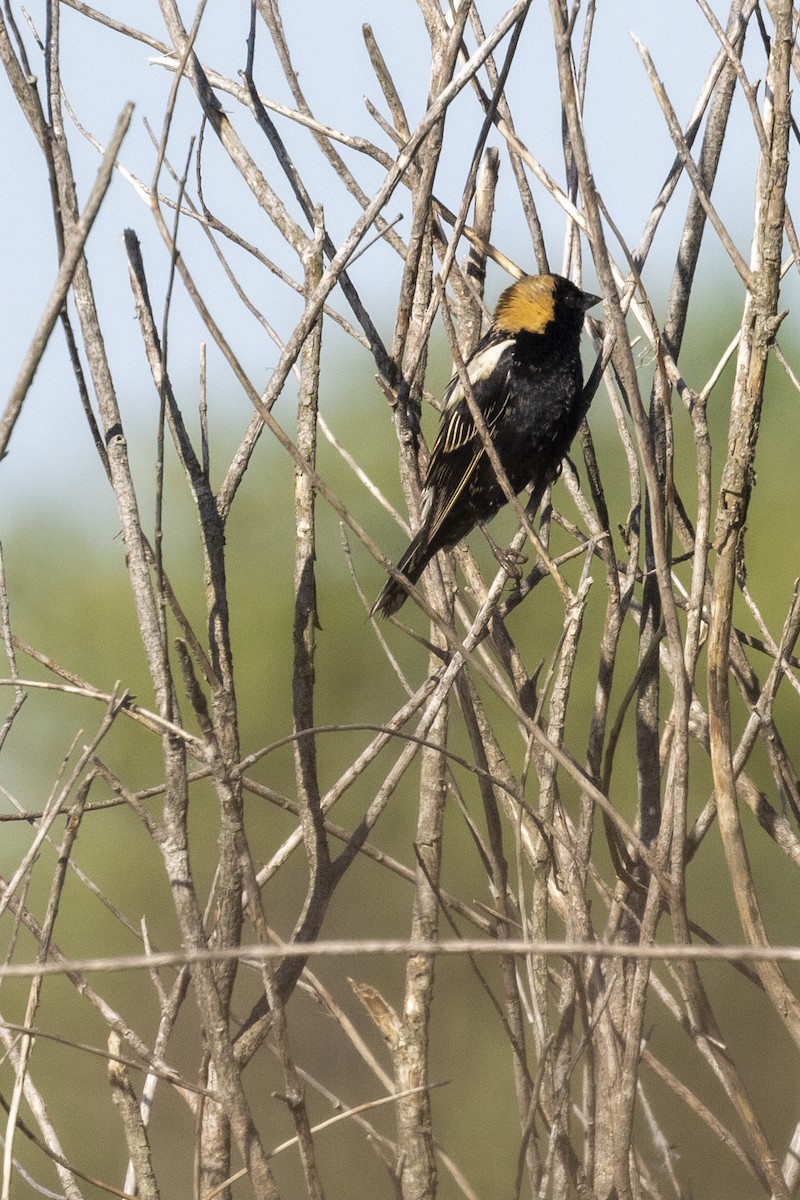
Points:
x=527, y=382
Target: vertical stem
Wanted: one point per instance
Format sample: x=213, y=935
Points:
x=759, y=325
x=305, y=613
x=414, y=1121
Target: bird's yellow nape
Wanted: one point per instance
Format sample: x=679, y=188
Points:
x=529, y=304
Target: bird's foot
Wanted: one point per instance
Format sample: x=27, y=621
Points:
x=510, y=560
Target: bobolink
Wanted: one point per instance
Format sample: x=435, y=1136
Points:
x=527, y=382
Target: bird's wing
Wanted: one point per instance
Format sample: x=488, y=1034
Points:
x=457, y=426
x=459, y=447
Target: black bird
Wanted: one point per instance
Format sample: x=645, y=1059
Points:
x=527, y=381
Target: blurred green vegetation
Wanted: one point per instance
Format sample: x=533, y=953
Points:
x=70, y=599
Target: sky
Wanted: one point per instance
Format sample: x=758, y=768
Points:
x=627, y=136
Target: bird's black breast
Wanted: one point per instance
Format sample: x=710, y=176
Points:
x=544, y=409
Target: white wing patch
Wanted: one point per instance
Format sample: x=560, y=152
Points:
x=478, y=368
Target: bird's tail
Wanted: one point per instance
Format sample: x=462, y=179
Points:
x=412, y=564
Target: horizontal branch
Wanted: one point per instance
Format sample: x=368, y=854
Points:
x=349, y=948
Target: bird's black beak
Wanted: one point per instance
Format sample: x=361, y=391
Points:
x=588, y=301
